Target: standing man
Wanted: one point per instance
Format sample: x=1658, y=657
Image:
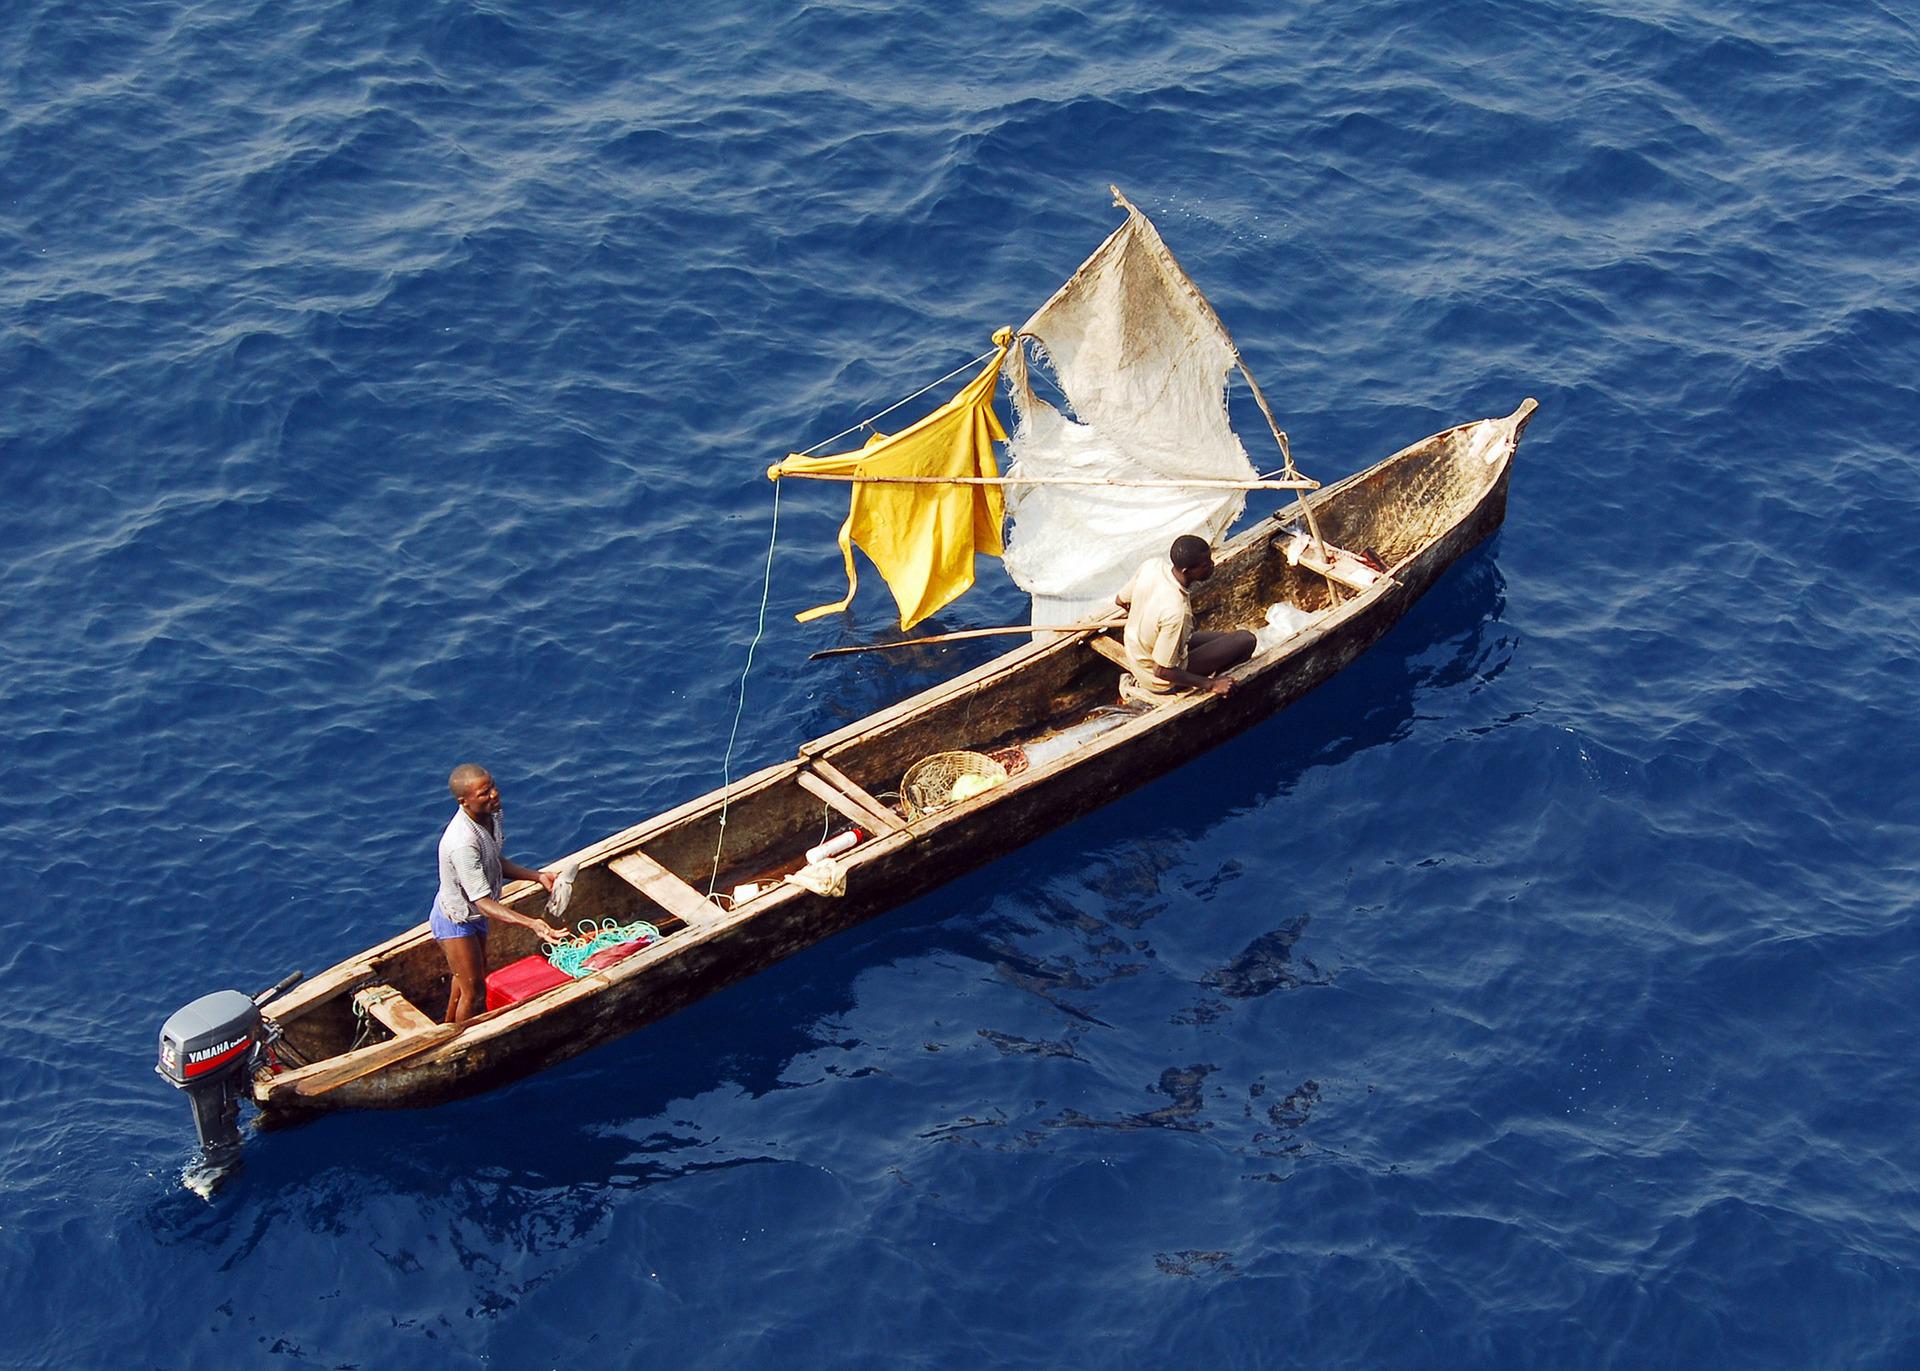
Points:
x=1164, y=654
x=473, y=870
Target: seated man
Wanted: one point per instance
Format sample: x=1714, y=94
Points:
x=1164, y=654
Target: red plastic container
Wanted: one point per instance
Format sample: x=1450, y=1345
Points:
x=517, y=981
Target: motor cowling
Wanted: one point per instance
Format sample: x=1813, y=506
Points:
x=208, y=1049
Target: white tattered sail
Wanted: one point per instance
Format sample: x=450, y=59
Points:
x=1143, y=361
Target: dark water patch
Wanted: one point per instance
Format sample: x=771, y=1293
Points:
x=1267, y=965
x=1011, y=1045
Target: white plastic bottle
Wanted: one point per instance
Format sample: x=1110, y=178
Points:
x=835, y=845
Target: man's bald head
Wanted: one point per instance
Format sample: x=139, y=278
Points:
x=461, y=780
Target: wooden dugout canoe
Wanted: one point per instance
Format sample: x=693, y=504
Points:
x=1419, y=509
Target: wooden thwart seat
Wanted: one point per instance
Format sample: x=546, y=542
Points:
x=386, y=1005
x=1341, y=567
x=836, y=789
x=1110, y=649
x=664, y=888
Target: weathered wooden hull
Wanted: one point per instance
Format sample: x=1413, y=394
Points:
x=1429, y=503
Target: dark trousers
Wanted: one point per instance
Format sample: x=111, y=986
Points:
x=1209, y=653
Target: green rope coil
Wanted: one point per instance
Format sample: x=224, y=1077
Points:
x=596, y=937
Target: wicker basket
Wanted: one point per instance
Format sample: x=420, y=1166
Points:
x=928, y=784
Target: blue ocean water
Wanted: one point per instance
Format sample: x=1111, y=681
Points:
x=390, y=384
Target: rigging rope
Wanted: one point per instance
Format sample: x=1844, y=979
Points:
x=726, y=766
x=868, y=422
x=766, y=593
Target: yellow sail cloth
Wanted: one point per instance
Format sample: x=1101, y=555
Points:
x=922, y=537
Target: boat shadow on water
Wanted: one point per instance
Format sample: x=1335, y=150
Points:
x=1096, y=886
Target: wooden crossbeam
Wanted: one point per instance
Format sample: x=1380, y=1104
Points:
x=1111, y=650
x=1341, y=567
x=664, y=888
x=820, y=790
x=388, y=1006
x=883, y=819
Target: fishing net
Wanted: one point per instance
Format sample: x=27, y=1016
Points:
x=594, y=938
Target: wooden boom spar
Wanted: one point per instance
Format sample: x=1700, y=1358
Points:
x=965, y=633
x=1294, y=483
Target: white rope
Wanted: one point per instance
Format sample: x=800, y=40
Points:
x=740, y=708
x=869, y=421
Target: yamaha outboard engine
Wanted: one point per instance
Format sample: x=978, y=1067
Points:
x=209, y=1049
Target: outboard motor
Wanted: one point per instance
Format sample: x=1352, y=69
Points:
x=209, y=1049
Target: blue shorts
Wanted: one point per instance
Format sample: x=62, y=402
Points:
x=444, y=928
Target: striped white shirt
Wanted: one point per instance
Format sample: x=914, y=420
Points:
x=470, y=856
